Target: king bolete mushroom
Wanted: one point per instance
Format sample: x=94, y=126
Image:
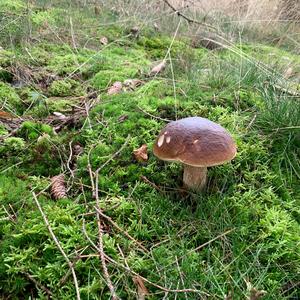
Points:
x=198, y=143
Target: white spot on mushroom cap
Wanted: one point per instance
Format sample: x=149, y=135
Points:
x=160, y=140
x=195, y=141
x=168, y=139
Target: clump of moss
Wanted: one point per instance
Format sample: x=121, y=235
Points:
x=6, y=58
x=3, y=130
x=49, y=17
x=116, y=64
x=59, y=105
x=38, y=56
x=9, y=98
x=106, y=77
x=157, y=47
x=12, y=145
x=12, y=28
x=63, y=62
x=31, y=130
x=66, y=87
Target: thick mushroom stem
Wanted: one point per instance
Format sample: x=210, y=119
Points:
x=194, y=178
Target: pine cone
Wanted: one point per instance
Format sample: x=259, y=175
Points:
x=58, y=189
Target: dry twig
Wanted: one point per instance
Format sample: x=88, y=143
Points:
x=57, y=243
x=180, y=14
x=152, y=116
x=102, y=214
x=100, y=237
x=146, y=180
x=108, y=258
x=38, y=284
x=115, y=154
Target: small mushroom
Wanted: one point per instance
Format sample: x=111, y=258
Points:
x=198, y=143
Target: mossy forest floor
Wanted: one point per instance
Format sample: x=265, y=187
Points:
x=238, y=238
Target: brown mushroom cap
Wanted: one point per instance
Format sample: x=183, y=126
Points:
x=195, y=141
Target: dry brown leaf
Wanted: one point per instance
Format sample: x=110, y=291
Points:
x=58, y=188
x=142, y=291
x=5, y=115
x=116, y=88
x=141, y=154
x=158, y=68
x=104, y=40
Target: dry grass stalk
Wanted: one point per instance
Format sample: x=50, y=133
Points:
x=122, y=230
x=57, y=243
x=94, y=180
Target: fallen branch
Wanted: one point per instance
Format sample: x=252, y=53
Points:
x=135, y=273
x=209, y=242
x=38, y=284
x=203, y=245
x=102, y=214
x=152, y=116
x=57, y=243
x=146, y=180
x=100, y=237
x=180, y=14
x=114, y=155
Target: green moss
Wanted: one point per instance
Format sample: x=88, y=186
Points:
x=6, y=58
x=60, y=105
x=31, y=130
x=14, y=144
x=64, y=61
x=37, y=56
x=119, y=59
x=66, y=87
x=158, y=46
x=14, y=6
x=46, y=18
x=9, y=98
x=107, y=77
x=12, y=20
